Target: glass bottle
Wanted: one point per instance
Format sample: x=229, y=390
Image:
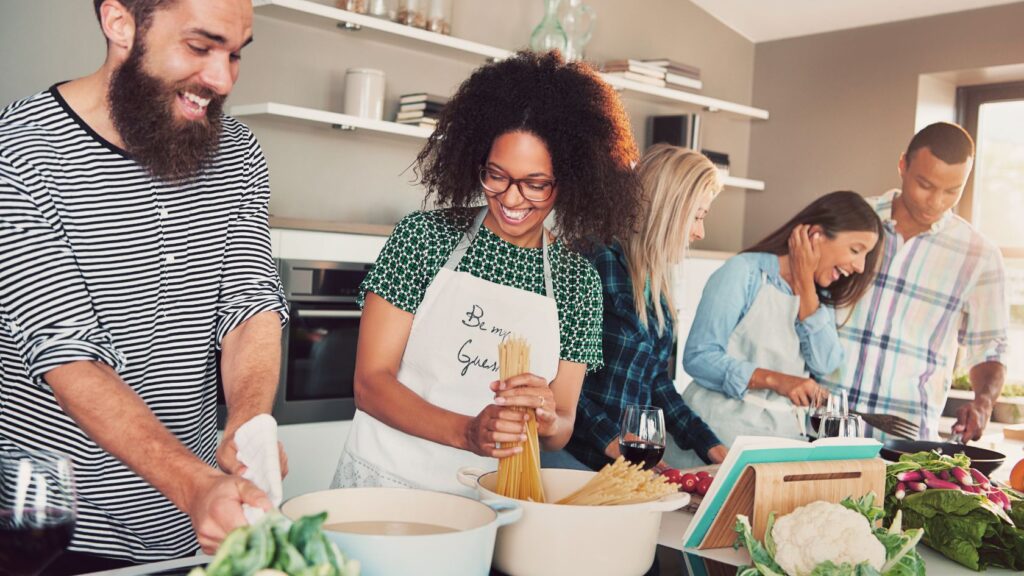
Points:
x=578, y=24
x=549, y=35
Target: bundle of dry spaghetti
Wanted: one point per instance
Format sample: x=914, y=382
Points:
x=519, y=474
x=620, y=483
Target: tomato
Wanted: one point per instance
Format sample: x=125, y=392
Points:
x=702, y=475
x=704, y=485
x=690, y=482
x=672, y=475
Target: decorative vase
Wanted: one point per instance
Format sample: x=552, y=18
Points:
x=549, y=35
x=578, y=25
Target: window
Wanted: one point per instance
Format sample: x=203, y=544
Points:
x=994, y=198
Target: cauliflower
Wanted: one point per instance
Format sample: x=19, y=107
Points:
x=821, y=532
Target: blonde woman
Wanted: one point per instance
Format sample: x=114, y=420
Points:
x=639, y=312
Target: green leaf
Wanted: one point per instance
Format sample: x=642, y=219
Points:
x=763, y=561
x=769, y=539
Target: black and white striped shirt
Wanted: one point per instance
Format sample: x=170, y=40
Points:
x=99, y=261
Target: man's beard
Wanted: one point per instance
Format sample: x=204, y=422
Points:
x=142, y=108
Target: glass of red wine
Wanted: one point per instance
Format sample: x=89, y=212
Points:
x=642, y=436
x=37, y=509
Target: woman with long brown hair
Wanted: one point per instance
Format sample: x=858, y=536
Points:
x=765, y=326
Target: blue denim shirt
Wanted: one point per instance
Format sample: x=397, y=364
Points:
x=727, y=297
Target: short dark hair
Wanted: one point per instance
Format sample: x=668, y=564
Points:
x=835, y=212
x=141, y=10
x=568, y=106
x=947, y=141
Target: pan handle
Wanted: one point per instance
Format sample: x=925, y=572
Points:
x=468, y=476
x=671, y=502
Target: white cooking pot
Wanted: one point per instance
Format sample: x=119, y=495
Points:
x=557, y=539
x=465, y=552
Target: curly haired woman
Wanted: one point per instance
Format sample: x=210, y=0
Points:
x=528, y=136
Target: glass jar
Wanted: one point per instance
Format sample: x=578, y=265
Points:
x=382, y=9
x=439, y=18
x=412, y=13
x=357, y=6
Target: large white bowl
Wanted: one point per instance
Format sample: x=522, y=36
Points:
x=555, y=539
x=466, y=552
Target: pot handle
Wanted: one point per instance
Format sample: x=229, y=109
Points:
x=671, y=502
x=469, y=475
x=508, y=511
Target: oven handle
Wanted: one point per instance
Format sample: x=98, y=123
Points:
x=329, y=313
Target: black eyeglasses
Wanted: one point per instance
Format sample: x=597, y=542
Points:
x=496, y=183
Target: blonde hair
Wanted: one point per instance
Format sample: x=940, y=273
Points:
x=675, y=182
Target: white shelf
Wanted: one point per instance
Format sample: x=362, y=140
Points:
x=745, y=183
x=342, y=121
x=711, y=104
x=321, y=16
x=346, y=122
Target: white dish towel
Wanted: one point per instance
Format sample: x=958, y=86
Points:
x=257, y=450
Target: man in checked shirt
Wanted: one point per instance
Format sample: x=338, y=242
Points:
x=940, y=287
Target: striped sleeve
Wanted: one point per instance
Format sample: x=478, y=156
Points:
x=44, y=301
x=983, y=330
x=250, y=283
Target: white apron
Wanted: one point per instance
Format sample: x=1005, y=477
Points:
x=450, y=360
x=766, y=337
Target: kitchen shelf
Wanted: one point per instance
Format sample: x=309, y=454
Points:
x=346, y=122
x=333, y=119
x=317, y=15
x=327, y=17
x=744, y=183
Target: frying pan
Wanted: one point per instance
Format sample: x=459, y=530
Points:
x=985, y=461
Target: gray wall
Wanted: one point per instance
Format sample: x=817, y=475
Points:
x=358, y=177
x=843, y=104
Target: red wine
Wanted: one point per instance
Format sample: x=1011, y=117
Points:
x=26, y=547
x=639, y=452
x=815, y=424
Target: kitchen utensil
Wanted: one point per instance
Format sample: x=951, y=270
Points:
x=466, y=551
x=547, y=540
x=893, y=425
x=37, y=509
x=642, y=435
x=986, y=461
x=782, y=487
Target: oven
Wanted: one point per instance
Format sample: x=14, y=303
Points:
x=318, y=355
x=319, y=344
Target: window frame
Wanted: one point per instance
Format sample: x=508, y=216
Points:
x=968, y=101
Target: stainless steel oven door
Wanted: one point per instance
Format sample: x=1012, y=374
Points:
x=318, y=363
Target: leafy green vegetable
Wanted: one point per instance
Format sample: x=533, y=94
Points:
x=967, y=528
x=764, y=563
x=297, y=549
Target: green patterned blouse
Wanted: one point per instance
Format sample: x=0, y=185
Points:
x=422, y=242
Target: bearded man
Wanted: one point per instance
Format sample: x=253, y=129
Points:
x=133, y=228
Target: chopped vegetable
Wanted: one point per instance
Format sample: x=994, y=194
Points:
x=274, y=547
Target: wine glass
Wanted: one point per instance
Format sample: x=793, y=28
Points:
x=37, y=509
x=642, y=436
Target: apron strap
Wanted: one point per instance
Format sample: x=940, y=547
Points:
x=467, y=239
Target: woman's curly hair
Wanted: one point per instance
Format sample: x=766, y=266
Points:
x=570, y=108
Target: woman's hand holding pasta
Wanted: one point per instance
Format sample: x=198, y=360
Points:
x=496, y=432
x=529, y=391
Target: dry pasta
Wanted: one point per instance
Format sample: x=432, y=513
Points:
x=519, y=474
x=620, y=483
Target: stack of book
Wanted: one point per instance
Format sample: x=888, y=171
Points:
x=660, y=72
x=677, y=74
x=420, y=109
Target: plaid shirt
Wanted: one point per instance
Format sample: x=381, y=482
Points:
x=943, y=288
x=635, y=372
